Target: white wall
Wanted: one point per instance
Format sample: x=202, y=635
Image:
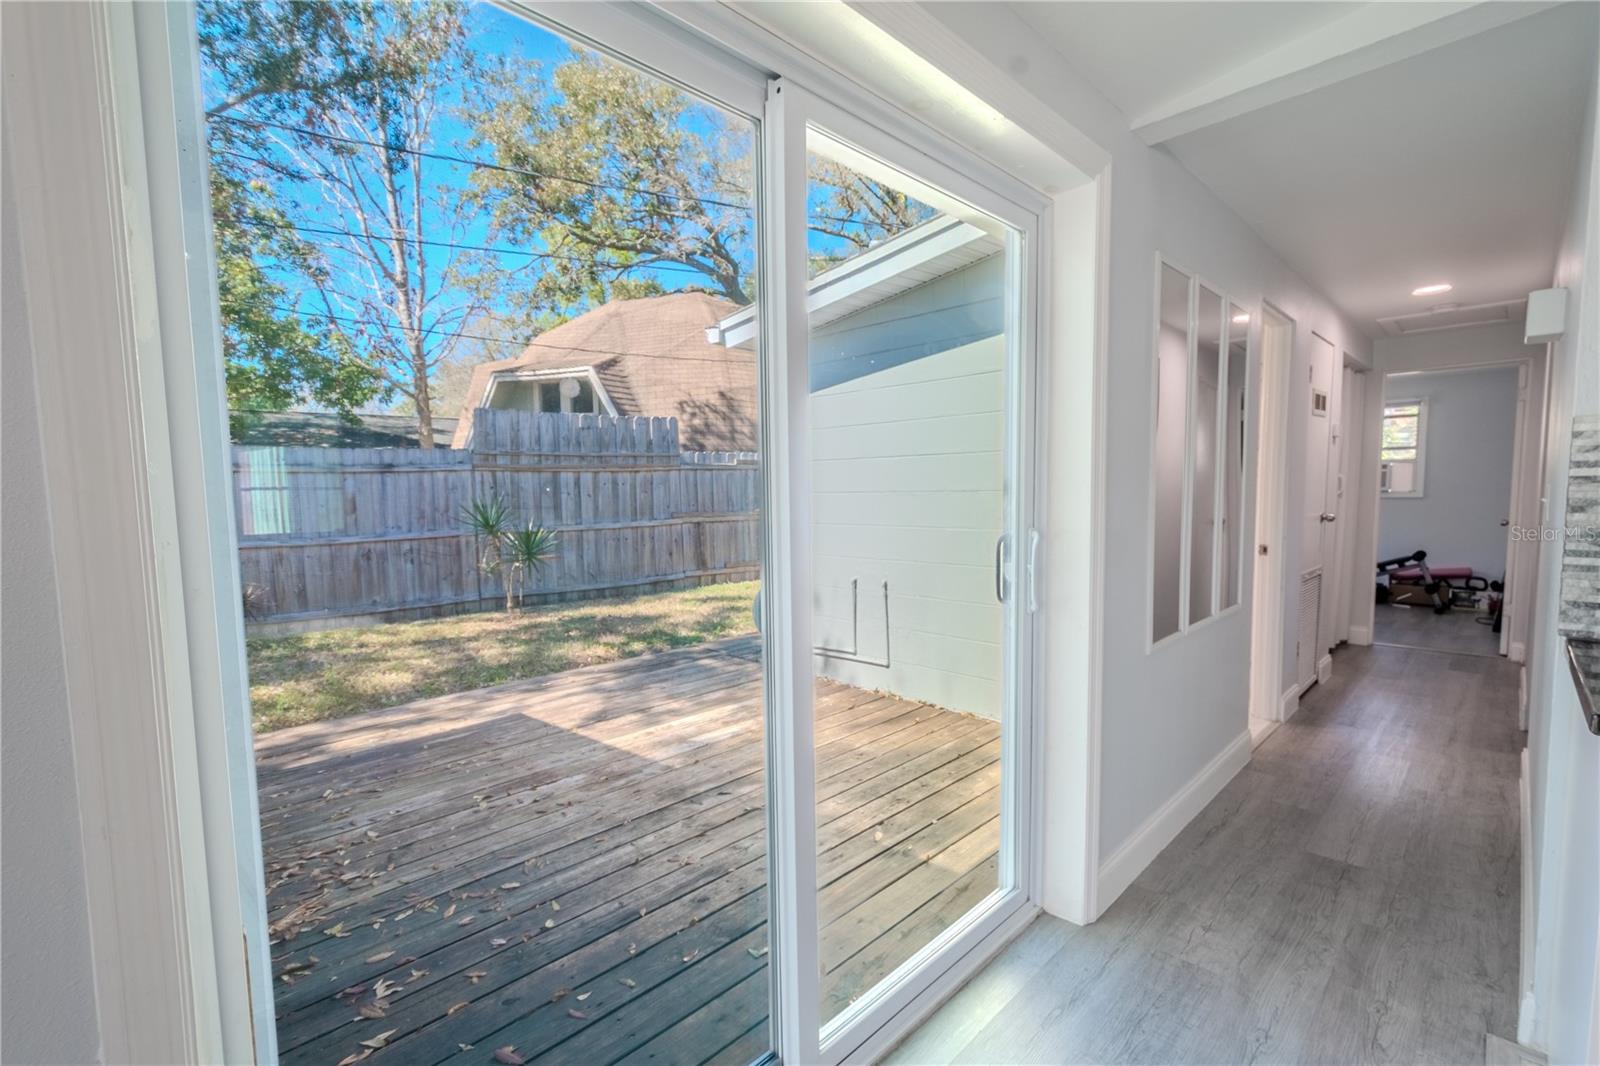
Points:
x=47, y=991
x=1561, y=1009
x=1170, y=714
x=1466, y=471
x=907, y=477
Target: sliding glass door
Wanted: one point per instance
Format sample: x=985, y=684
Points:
x=657, y=684
x=909, y=564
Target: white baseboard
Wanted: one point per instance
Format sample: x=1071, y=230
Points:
x=1529, y=918
x=1522, y=699
x=1360, y=636
x=1288, y=703
x=1325, y=669
x=1517, y=652
x=1119, y=870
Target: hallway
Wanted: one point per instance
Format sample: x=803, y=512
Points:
x=1351, y=896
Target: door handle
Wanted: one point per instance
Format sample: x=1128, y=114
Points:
x=999, y=568
x=1327, y=517
x=1033, y=570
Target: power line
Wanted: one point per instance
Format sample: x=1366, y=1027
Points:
x=506, y=169
x=265, y=224
x=501, y=167
x=503, y=340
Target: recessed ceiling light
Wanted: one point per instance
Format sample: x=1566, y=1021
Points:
x=1432, y=290
x=1241, y=319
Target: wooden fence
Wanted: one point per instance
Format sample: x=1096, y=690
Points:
x=337, y=536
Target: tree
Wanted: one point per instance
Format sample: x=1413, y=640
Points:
x=271, y=359
x=623, y=174
x=345, y=108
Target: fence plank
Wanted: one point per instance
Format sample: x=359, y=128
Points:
x=337, y=535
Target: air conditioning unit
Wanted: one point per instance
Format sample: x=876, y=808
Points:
x=1547, y=316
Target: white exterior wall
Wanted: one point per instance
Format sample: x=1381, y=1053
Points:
x=907, y=439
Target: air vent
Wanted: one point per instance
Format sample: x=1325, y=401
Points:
x=1454, y=317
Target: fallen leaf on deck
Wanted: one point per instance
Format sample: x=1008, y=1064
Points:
x=477, y=975
x=695, y=954
x=578, y=1014
x=756, y=953
x=498, y=942
x=455, y=1008
x=627, y=982
x=416, y=975
x=633, y=949
x=559, y=994
x=355, y=1057
x=554, y=905
x=371, y=1011
x=372, y=834
x=509, y=885
x=448, y=911
x=468, y=920
x=336, y=930
x=379, y=957
x=581, y=996
x=508, y=1055
x=384, y=989
x=381, y=1040
x=549, y=923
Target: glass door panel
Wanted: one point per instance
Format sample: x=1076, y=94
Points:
x=525, y=815
x=908, y=300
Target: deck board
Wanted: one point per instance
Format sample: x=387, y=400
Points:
x=575, y=865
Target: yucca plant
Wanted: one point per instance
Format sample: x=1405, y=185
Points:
x=529, y=549
x=490, y=521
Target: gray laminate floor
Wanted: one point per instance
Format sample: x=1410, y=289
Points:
x=1418, y=627
x=1350, y=897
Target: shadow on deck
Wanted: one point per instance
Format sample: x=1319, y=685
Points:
x=575, y=865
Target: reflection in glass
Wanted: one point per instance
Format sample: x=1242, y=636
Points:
x=1236, y=376
x=1203, y=450
x=908, y=367
x=1172, y=398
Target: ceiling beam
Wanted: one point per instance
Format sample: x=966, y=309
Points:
x=1372, y=36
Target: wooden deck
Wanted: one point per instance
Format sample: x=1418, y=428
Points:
x=574, y=866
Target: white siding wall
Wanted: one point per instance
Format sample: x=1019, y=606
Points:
x=908, y=423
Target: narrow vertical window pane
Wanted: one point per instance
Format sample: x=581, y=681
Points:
x=1237, y=376
x=908, y=364
x=1172, y=398
x=505, y=678
x=1203, y=453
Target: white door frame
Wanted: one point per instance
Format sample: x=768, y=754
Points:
x=792, y=112
x=180, y=402
x=1523, y=508
x=1275, y=358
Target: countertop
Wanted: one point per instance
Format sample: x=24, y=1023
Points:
x=1583, y=657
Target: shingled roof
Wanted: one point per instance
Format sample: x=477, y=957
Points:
x=652, y=358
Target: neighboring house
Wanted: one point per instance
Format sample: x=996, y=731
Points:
x=320, y=429
x=908, y=363
x=632, y=357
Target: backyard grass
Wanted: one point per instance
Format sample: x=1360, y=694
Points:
x=311, y=677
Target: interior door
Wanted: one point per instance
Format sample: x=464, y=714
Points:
x=1316, y=534
x=910, y=565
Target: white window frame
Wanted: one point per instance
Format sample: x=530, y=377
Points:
x=1419, y=465
x=156, y=89
x=587, y=373
x=1219, y=416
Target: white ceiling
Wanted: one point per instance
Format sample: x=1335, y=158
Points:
x=1140, y=55
x=1417, y=161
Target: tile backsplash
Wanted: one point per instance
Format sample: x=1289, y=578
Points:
x=1580, y=566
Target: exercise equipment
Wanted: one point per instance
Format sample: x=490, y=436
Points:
x=1439, y=584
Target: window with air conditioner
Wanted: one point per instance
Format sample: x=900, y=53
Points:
x=1405, y=426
